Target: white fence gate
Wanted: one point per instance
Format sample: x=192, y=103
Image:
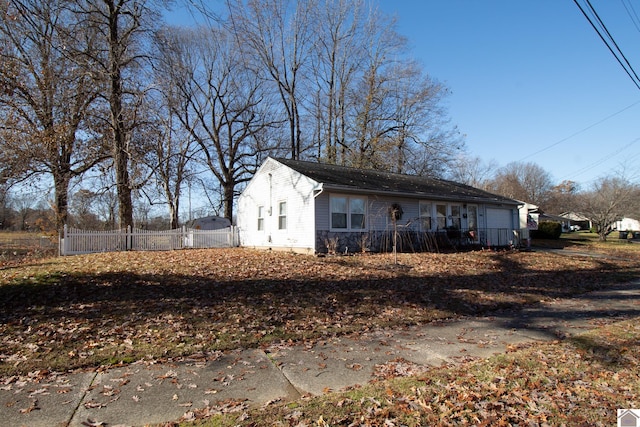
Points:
x=75, y=242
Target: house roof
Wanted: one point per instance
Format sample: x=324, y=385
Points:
x=341, y=178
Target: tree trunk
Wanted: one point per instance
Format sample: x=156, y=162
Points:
x=173, y=212
x=61, y=185
x=228, y=189
x=120, y=155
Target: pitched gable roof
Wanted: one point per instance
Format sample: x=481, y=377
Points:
x=341, y=178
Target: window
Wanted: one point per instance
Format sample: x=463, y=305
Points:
x=260, y=218
x=282, y=216
x=425, y=216
x=441, y=214
x=339, y=212
x=348, y=213
x=456, y=221
x=357, y=209
x=446, y=216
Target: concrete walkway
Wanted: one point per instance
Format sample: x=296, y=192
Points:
x=141, y=394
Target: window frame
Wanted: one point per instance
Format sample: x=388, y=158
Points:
x=423, y=218
x=440, y=219
x=260, y=223
x=441, y=216
x=349, y=213
x=455, y=221
x=282, y=217
x=332, y=203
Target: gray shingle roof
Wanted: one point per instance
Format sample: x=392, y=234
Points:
x=343, y=178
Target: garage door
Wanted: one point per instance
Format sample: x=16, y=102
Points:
x=499, y=218
x=499, y=227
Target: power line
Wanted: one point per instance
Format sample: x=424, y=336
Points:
x=631, y=11
x=579, y=132
x=601, y=160
x=628, y=68
x=604, y=27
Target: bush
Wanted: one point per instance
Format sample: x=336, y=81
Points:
x=547, y=230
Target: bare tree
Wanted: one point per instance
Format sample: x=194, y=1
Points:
x=122, y=26
x=422, y=141
x=46, y=96
x=220, y=103
x=336, y=60
x=348, y=94
x=609, y=200
x=276, y=36
x=5, y=208
x=527, y=182
x=472, y=170
x=82, y=212
x=171, y=157
x=373, y=117
x=562, y=197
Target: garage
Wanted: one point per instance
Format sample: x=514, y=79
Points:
x=499, y=218
x=499, y=227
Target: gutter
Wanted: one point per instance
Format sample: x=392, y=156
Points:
x=469, y=199
x=318, y=190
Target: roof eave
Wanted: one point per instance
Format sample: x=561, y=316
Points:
x=430, y=196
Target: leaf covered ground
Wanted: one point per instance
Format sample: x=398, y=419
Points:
x=103, y=309
x=577, y=382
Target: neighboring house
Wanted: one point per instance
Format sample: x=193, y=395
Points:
x=529, y=214
x=318, y=208
x=627, y=224
x=577, y=221
x=529, y=218
x=563, y=221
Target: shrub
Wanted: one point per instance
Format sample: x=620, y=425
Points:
x=547, y=230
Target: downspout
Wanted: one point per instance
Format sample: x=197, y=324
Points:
x=316, y=192
x=270, y=206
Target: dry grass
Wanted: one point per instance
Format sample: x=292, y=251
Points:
x=93, y=310
x=17, y=247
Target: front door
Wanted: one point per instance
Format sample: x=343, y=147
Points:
x=472, y=222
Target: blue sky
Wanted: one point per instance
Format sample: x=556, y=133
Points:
x=531, y=81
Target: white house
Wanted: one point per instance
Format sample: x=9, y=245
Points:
x=314, y=207
x=627, y=224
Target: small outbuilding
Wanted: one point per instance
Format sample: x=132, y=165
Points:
x=209, y=223
x=318, y=208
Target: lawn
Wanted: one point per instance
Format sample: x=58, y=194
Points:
x=15, y=247
x=581, y=381
x=103, y=309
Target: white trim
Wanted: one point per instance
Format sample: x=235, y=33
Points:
x=348, y=213
x=261, y=216
x=448, y=214
x=280, y=215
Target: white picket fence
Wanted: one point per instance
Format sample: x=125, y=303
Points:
x=75, y=241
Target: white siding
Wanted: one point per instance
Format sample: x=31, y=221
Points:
x=628, y=224
x=272, y=184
